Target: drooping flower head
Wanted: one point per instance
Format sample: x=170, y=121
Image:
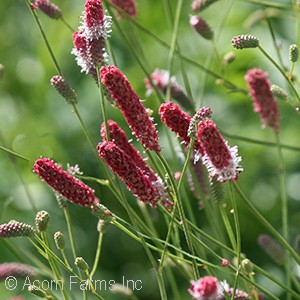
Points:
x=118, y=136
x=220, y=160
x=201, y=26
x=178, y=121
x=16, y=269
x=14, y=229
x=263, y=100
x=128, y=6
x=131, y=107
x=162, y=80
x=48, y=8
x=204, y=288
x=96, y=25
x=134, y=178
x=64, y=89
x=64, y=183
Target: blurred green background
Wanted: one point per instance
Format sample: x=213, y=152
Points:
x=35, y=121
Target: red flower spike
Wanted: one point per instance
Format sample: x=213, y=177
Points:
x=128, y=6
x=134, y=178
x=204, y=288
x=64, y=183
x=15, y=269
x=220, y=159
x=131, y=107
x=48, y=8
x=118, y=136
x=263, y=100
x=178, y=121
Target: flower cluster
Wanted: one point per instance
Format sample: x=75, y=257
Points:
x=263, y=100
x=16, y=269
x=209, y=288
x=14, y=229
x=244, y=41
x=131, y=107
x=89, y=39
x=64, y=183
x=201, y=26
x=162, y=80
x=128, y=6
x=48, y=8
x=64, y=89
x=199, y=5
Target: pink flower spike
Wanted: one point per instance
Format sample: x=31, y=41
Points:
x=131, y=107
x=64, y=183
x=206, y=288
x=128, y=6
x=178, y=121
x=48, y=8
x=96, y=25
x=263, y=100
x=134, y=178
x=220, y=159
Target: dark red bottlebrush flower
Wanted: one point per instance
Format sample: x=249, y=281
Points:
x=118, y=136
x=220, y=160
x=244, y=41
x=64, y=89
x=16, y=270
x=134, y=178
x=128, y=6
x=178, y=121
x=204, y=288
x=263, y=100
x=201, y=27
x=48, y=8
x=14, y=229
x=131, y=107
x=96, y=25
x=161, y=79
x=89, y=53
x=64, y=183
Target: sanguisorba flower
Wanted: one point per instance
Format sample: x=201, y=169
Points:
x=48, y=8
x=134, y=178
x=263, y=100
x=244, y=41
x=64, y=183
x=131, y=107
x=178, y=121
x=16, y=269
x=221, y=160
x=128, y=6
x=64, y=89
x=201, y=26
x=199, y=5
x=204, y=288
x=14, y=229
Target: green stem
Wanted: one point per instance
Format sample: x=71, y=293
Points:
x=228, y=226
x=281, y=71
x=97, y=256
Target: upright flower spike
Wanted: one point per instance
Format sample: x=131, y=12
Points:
x=201, y=27
x=263, y=101
x=118, y=136
x=16, y=269
x=178, y=121
x=199, y=5
x=293, y=53
x=220, y=160
x=134, y=178
x=162, y=80
x=14, y=229
x=128, y=6
x=131, y=107
x=96, y=25
x=64, y=183
x=48, y=8
x=244, y=41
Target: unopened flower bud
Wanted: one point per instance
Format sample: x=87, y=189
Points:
x=229, y=58
x=1, y=71
x=278, y=92
x=120, y=289
x=201, y=27
x=225, y=262
x=64, y=89
x=81, y=264
x=102, y=226
x=245, y=41
x=293, y=53
x=199, y=5
x=49, y=8
x=14, y=229
x=202, y=114
x=59, y=240
x=102, y=213
x=32, y=289
x=42, y=220
x=62, y=202
x=247, y=266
